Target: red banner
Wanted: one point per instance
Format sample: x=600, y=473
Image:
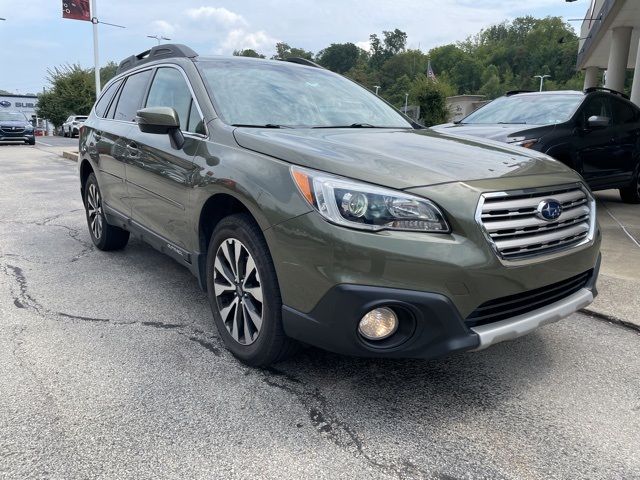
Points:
x=76, y=10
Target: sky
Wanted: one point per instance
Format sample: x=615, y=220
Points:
x=35, y=37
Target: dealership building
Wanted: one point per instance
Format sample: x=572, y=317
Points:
x=610, y=36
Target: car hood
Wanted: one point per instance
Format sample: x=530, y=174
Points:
x=498, y=132
x=14, y=123
x=396, y=158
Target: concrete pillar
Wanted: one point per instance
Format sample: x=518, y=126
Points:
x=618, y=58
x=592, y=77
x=635, y=89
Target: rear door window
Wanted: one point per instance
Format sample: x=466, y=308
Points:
x=107, y=95
x=623, y=113
x=131, y=96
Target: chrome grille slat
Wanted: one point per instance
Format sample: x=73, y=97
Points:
x=518, y=203
x=512, y=225
x=534, y=222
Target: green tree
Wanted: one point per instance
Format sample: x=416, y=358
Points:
x=247, y=52
x=340, y=57
x=108, y=72
x=431, y=95
x=283, y=51
x=72, y=93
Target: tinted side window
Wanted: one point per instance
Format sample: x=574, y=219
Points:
x=623, y=112
x=130, y=99
x=106, y=97
x=169, y=89
x=598, y=106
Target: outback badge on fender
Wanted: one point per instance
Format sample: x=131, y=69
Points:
x=549, y=210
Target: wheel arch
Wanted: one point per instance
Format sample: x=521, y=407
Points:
x=86, y=169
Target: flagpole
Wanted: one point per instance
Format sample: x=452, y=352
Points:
x=96, y=62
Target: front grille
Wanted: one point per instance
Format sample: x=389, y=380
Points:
x=516, y=230
x=14, y=130
x=520, y=303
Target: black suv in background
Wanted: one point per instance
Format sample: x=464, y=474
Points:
x=596, y=132
x=16, y=127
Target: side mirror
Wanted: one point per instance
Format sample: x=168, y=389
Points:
x=597, y=121
x=163, y=121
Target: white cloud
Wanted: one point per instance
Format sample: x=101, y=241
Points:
x=219, y=14
x=163, y=27
x=364, y=45
x=239, y=39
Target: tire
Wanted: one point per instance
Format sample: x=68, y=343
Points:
x=103, y=235
x=244, y=295
x=31, y=142
x=631, y=194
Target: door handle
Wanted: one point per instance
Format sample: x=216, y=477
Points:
x=132, y=148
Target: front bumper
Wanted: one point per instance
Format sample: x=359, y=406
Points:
x=18, y=138
x=430, y=324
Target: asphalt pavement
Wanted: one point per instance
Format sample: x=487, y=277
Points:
x=110, y=368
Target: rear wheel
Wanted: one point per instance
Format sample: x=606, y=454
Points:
x=243, y=293
x=104, y=236
x=631, y=194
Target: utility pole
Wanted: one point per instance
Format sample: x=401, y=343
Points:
x=541, y=77
x=96, y=60
x=377, y=87
x=406, y=102
x=158, y=38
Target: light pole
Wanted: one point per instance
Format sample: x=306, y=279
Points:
x=541, y=77
x=377, y=87
x=406, y=102
x=159, y=38
x=96, y=60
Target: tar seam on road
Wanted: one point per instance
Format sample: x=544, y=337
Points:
x=611, y=319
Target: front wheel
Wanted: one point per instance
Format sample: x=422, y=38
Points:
x=243, y=293
x=631, y=194
x=103, y=235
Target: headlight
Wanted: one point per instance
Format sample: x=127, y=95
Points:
x=523, y=142
x=367, y=207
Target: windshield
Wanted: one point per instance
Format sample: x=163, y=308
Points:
x=258, y=93
x=12, y=117
x=527, y=109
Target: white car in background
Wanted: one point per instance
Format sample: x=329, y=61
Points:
x=71, y=127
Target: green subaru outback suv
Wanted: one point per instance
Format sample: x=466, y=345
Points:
x=313, y=212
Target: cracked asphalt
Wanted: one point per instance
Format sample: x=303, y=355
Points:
x=110, y=368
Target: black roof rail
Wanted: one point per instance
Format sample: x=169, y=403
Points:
x=302, y=61
x=168, y=50
x=604, y=89
x=516, y=92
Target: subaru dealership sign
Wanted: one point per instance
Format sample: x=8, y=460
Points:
x=19, y=103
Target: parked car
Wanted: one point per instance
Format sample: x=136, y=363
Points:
x=310, y=210
x=596, y=132
x=15, y=127
x=71, y=127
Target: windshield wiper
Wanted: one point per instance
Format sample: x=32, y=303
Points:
x=353, y=125
x=512, y=123
x=266, y=125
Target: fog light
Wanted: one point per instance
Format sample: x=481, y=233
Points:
x=378, y=324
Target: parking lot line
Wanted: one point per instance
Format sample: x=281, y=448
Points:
x=45, y=144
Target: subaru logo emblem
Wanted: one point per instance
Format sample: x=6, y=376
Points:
x=5, y=104
x=549, y=210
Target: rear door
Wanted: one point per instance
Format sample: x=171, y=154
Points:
x=595, y=147
x=159, y=176
x=626, y=120
x=111, y=136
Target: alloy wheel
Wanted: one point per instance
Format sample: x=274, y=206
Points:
x=94, y=210
x=238, y=291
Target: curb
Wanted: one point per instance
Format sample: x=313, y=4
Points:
x=609, y=318
x=70, y=155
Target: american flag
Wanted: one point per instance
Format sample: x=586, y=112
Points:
x=430, y=74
